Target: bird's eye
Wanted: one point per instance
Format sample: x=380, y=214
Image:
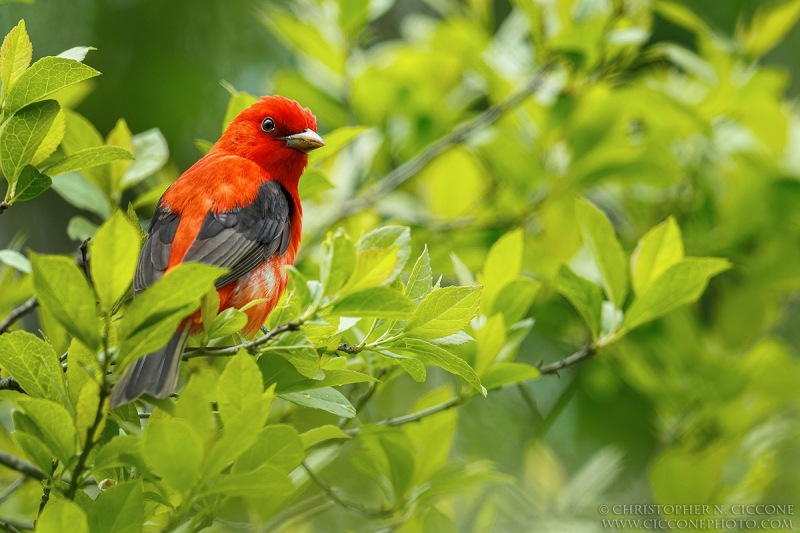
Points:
x=267, y=125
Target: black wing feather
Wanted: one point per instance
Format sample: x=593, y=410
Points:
x=241, y=239
x=154, y=257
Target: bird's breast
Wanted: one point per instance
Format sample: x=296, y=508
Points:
x=266, y=282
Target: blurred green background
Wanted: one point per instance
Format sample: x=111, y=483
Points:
x=708, y=395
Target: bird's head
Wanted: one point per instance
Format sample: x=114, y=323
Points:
x=275, y=132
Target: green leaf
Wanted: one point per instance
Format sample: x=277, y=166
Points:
x=420, y=281
x=79, y=134
x=431, y=354
x=380, y=257
x=16, y=260
x=444, y=311
x=53, y=425
x=243, y=408
x=770, y=24
x=83, y=194
x=238, y=102
x=62, y=289
x=34, y=448
x=659, y=249
x=319, y=434
x=60, y=516
x=515, y=299
x=297, y=349
x=413, y=367
x=508, y=373
x=325, y=399
x=114, y=251
x=337, y=261
x=240, y=382
x=155, y=313
x=22, y=134
x=31, y=183
x=226, y=323
x=120, y=135
x=119, y=509
x=45, y=77
x=174, y=450
x=503, y=264
x=122, y=450
x=585, y=297
x=265, y=481
x=88, y=158
x=378, y=302
x=78, y=53
x=86, y=411
x=53, y=138
x=279, y=445
x=373, y=267
x=15, y=56
x=332, y=378
x=34, y=364
x=683, y=283
x=152, y=153
x=80, y=228
x=600, y=239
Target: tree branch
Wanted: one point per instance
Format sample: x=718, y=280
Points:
x=29, y=305
x=249, y=345
x=23, y=467
x=11, y=489
x=10, y=383
x=581, y=355
x=414, y=417
x=15, y=526
x=410, y=168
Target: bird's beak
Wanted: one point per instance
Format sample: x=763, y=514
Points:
x=305, y=141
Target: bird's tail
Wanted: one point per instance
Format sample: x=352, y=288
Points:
x=155, y=374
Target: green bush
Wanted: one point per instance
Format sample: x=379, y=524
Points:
x=634, y=196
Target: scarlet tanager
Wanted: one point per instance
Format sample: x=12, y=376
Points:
x=236, y=208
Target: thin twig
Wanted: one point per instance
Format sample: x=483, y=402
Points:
x=23, y=467
x=410, y=168
x=17, y=313
x=331, y=494
x=11, y=489
x=45, y=497
x=584, y=353
x=91, y=439
x=249, y=345
x=296, y=513
x=414, y=417
x=15, y=526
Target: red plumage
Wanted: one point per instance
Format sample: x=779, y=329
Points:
x=237, y=207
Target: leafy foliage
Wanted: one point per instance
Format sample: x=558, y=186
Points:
x=558, y=163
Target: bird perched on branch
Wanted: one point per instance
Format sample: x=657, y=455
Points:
x=236, y=208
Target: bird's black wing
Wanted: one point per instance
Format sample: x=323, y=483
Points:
x=154, y=257
x=242, y=238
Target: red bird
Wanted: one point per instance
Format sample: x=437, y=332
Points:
x=236, y=208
